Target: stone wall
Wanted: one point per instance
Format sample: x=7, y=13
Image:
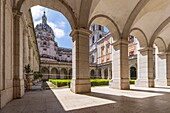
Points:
x=15, y=40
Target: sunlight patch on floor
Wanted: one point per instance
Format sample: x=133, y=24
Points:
x=126, y=93
x=71, y=101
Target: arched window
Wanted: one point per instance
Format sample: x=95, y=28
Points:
x=92, y=74
x=44, y=70
x=105, y=73
x=63, y=73
x=133, y=73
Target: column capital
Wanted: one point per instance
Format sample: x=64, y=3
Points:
x=4, y=1
x=163, y=53
x=146, y=49
x=16, y=12
x=120, y=41
x=80, y=31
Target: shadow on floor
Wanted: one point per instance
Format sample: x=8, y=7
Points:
x=45, y=101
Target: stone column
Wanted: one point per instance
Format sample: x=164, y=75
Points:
x=120, y=74
x=162, y=74
x=109, y=74
x=18, y=81
x=80, y=82
x=145, y=68
x=102, y=73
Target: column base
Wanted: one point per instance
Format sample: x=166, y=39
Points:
x=18, y=88
x=144, y=83
x=80, y=86
x=162, y=82
x=122, y=84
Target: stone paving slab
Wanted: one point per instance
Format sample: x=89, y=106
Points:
x=100, y=100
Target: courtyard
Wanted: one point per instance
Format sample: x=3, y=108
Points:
x=101, y=100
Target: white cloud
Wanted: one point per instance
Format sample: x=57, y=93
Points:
x=59, y=33
x=37, y=12
x=61, y=24
x=37, y=22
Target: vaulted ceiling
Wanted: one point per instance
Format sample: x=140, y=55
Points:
x=146, y=19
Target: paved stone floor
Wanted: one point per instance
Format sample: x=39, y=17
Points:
x=100, y=100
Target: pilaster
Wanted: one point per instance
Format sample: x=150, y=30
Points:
x=18, y=81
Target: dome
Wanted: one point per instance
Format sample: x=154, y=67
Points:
x=43, y=30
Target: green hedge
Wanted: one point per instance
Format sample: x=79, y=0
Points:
x=94, y=82
x=132, y=81
x=60, y=82
x=99, y=82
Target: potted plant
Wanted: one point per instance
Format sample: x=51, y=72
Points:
x=29, y=76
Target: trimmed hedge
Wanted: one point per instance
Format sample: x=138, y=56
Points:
x=99, y=82
x=94, y=82
x=60, y=82
x=132, y=81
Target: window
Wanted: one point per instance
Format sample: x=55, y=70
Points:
x=100, y=27
x=102, y=51
x=93, y=28
x=44, y=43
x=44, y=49
x=131, y=39
x=92, y=39
x=100, y=36
x=108, y=49
x=131, y=53
x=92, y=58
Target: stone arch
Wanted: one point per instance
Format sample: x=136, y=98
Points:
x=58, y=5
x=70, y=73
x=159, y=42
x=141, y=4
x=133, y=74
x=106, y=73
x=141, y=37
x=44, y=70
x=54, y=71
x=106, y=21
x=158, y=30
x=63, y=73
x=92, y=74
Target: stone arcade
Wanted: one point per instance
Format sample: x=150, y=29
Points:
x=147, y=20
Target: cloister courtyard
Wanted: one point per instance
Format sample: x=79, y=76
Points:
x=146, y=20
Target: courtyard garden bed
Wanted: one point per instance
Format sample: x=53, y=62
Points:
x=94, y=82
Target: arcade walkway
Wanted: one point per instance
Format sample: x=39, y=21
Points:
x=101, y=100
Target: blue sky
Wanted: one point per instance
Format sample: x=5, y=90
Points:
x=57, y=22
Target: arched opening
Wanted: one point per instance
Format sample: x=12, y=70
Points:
x=54, y=73
x=92, y=74
x=133, y=74
x=52, y=31
x=106, y=74
x=63, y=73
x=70, y=74
x=45, y=73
